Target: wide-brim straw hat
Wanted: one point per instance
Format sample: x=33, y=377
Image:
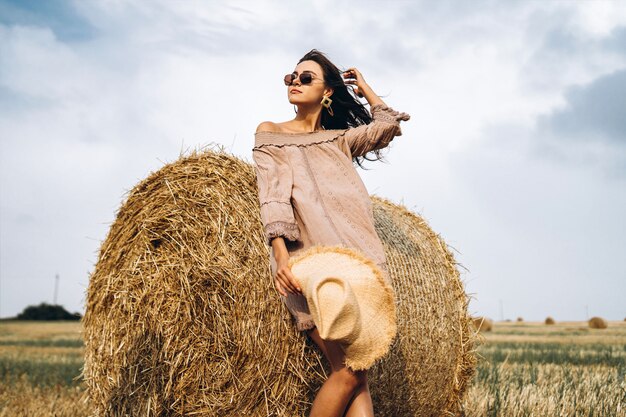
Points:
x=350, y=300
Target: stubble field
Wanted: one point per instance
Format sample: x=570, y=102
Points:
x=525, y=369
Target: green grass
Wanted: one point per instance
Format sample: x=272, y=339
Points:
x=69, y=343
x=41, y=372
x=554, y=353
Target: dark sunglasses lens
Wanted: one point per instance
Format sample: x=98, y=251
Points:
x=289, y=79
x=306, y=78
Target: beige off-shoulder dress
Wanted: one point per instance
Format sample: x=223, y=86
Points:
x=311, y=194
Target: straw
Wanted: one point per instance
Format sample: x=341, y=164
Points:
x=182, y=317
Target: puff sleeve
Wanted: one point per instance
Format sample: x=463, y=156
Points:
x=274, y=182
x=377, y=134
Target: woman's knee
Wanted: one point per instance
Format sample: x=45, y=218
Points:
x=361, y=377
x=335, y=356
x=353, y=380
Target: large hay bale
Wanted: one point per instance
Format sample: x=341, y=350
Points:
x=520, y=319
x=482, y=324
x=432, y=307
x=598, y=323
x=549, y=320
x=182, y=317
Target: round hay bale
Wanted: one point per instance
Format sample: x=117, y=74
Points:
x=520, y=319
x=432, y=307
x=482, y=324
x=182, y=317
x=549, y=320
x=598, y=323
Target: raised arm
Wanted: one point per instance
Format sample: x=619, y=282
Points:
x=384, y=126
x=378, y=134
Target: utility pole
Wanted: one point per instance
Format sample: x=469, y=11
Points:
x=56, y=288
x=501, y=311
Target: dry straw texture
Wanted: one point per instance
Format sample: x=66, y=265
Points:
x=182, y=317
x=482, y=324
x=598, y=323
x=550, y=320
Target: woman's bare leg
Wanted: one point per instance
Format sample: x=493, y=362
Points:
x=344, y=391
x=361, y=403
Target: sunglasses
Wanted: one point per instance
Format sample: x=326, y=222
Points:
x=305, y=78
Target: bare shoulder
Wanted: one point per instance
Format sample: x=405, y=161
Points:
x=268, y=127
x=276, y=127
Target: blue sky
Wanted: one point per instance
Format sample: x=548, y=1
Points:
x=515, y=153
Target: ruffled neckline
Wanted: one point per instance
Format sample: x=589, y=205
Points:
x=379, y=112
x=266, y=138
x=296, y=133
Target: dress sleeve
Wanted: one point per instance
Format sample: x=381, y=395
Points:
x=377, y=134
x=274, y=182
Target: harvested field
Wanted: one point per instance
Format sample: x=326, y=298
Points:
x=526, y=369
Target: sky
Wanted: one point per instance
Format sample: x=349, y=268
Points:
x=515, y=153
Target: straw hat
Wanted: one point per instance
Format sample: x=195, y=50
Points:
x=350, y=301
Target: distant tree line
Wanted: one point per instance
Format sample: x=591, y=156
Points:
x=45, y=311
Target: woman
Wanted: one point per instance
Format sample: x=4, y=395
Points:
x=310, y=193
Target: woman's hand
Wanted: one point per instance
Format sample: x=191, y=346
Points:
x=353, y=76
x=284, y=279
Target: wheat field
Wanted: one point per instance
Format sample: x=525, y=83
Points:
x=525, y=369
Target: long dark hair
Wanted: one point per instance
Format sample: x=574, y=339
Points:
x=347, y=109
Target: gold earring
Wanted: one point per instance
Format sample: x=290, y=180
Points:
x=326, y=102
